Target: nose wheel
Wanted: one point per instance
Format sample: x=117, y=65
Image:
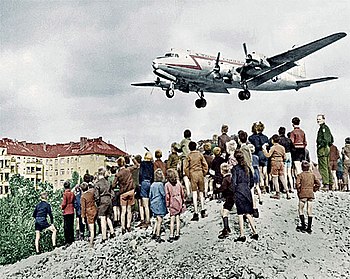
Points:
x=244, y=95
x=200, y=103
x=169, y=93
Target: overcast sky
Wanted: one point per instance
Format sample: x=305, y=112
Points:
x=66, y=69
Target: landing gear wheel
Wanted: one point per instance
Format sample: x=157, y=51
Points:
x=246, y=94
x=169, y=93
x=200, y=103
x=241, y=95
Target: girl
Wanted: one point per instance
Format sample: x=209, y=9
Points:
x=157, y=201
x=242, y=182
x=175, y=200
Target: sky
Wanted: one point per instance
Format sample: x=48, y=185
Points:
x=66, y=69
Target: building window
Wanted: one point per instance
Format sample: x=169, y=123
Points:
x=61, y=182
x=7, y=176
x=67, y=160
x=56, y=172
x=6, y=190
x=62, y=171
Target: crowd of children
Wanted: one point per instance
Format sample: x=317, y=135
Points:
x=232, y=168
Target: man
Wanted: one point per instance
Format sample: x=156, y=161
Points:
x=298, y=139
x=324, y=141
x=223, y=139
x=40, y=213
x=196, y=168
x=127, y=191
x=103, y=198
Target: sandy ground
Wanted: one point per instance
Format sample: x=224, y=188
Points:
x=280, y=252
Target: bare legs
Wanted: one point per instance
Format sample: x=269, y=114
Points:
x=53, y=237
x=104, y=222
x=126, y=211
x=145, y=204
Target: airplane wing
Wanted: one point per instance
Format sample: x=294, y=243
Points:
x=308, y=82
x=265, y=76
x=305, y=50
x=157, y=83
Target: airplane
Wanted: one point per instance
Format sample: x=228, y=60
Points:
x=190, y=71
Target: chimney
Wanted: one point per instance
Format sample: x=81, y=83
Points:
x=44, y=147
x=100, y=138
x=83, y=141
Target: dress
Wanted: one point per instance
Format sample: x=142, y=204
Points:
x=157, y=199
x=174, y=198
x=242, y=184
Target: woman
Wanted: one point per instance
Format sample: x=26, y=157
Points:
x=146, y=179
x=242, y=183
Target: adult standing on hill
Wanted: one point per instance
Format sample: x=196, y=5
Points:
x=68, y=213
x=324, y=141
x=40, y=213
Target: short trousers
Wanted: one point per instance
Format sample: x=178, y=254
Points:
x=41, y=224
x=306, y=199
x=105, y=209
x=298, y=154
x=127, y=198
x=90, y=215
x=197, y=181
x=256, y=175
x=145, y=186
x=277, y=168
x=288, y=161
x=229, y=203
x=333, y=165
x=116, y=199
x=262, y=159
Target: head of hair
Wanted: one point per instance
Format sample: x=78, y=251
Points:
x=224, y=168
x=217, y=151
x=66, y=184
x=113, y=170
x=260, y=127
x=187, y=133
x=172, y=176
x=347, y=140
x=296, y=121
x=240, y=160
x=121, y=162
x=207, y=146
x=43, y=195
x=254, y=128
x=305, y=166
x=192, y=146
x=158, y=154
x=276, y=138
x=91, y=185
x=84, y=186
x=322, y=115
x=231, y=147
x=242, y=136
x=148, y=156
x=127, y=160
x=102, y=171
x=282, y=131
x=138, y=158
x=224, y=128
x=158, y=175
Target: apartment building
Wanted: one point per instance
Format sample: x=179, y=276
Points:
x=53, y=163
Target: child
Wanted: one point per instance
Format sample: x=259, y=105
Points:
x=256, y=174
x=227, y=192
x=175, y=200
x=242, y=182
x=157, y=203
x=40, y=213
x=306, y=185
x=88, y=209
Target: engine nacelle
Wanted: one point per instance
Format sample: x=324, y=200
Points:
x=259, y=59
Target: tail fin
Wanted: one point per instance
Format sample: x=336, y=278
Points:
x=308, y=82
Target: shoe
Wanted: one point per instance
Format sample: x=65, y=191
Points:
x=128, y=229
x=123, y=231
x=203, y=213
x=301, y=229
x=288, y=197
x=224, y=234
x=240, y=239
x=112, y=235
x=154, y=236
x=159, y=240
x=255, y=213
x=260, y=202
x=176, y=237
x=309, y=231
x=171, y=239
x=255, y=236
x=103, y=241
x=37, y=252
x=228, y=230
x=276, y=196
x=195, y=217
x=145, y=225
x=140, y=224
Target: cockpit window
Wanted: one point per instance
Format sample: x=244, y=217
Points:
x=171, y=54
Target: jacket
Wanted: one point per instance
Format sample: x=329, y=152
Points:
x=195, y=162
x=42, y=210
x=307, y=184
x=324, y=137
x=124, y=179
x=298, y=138
x=68, y=202
x=88, y=206
x=102, y=191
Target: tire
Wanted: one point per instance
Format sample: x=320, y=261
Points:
x=241, y=95
x=169, y=93
x=198, y=103
x=203, y=103
x=246, y=95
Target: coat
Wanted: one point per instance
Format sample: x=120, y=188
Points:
x=68, y=202
x=307, y=184
x=174, y=198
x=157, y=199
x=88, y=206
x=242, y=184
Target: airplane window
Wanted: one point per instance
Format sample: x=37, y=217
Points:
x=169, y=55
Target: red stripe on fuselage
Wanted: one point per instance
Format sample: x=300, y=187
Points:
x=197, y=66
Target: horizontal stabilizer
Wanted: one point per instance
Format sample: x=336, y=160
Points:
x=308, y=82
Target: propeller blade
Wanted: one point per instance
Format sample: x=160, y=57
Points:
x=217, y=60
x=245, y=49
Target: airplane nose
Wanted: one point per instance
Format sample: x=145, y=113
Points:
x=155, y=65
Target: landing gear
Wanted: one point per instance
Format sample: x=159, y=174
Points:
x=244, y=95
x=169, y=93
x=200, y=103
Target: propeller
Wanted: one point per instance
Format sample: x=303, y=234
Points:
x=245, y=49
x=216, y=68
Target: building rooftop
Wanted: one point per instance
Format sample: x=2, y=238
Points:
x=84, y=147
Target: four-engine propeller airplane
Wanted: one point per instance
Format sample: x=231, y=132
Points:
x=191, y=71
